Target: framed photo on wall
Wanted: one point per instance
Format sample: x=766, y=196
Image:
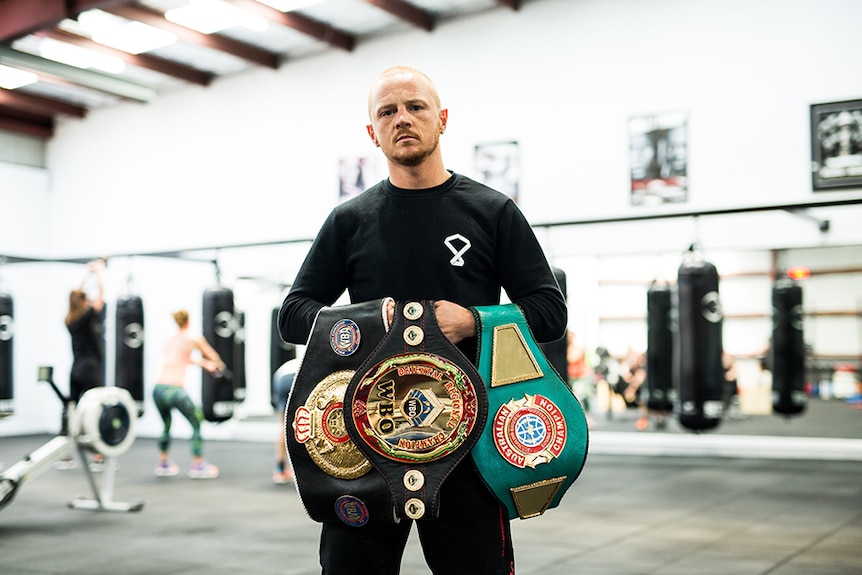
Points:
x=836, y=145
x=498, y=165
x=355, y=175
x=659, y=158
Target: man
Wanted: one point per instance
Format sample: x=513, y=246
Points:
x=425, y=233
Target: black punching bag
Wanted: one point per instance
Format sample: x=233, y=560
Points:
x=219, y=324
x=239, y=357
x=279, y=352
x=555, y=351
x=700, y=376
x=129, y=364
x=7, y=331
x=659, y=359
x=787, y=349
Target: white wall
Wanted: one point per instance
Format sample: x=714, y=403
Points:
x=254, y=157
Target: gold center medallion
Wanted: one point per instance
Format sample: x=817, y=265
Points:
x=319, y=425
x=415, y=407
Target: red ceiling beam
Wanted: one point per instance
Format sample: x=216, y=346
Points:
x=19, y=18
x=513, y=4
x=213, y=41
x=23, y=123
x=300, y=23
x=406, y=11
x=160, y=65
x=39, y=104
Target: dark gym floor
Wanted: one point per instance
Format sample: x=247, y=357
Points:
x=626, y=514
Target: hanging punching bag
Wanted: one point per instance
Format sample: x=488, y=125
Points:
x=659, y=360
x=787, y=349
x=239, y=357
x=7, y=331
x=129, y=364
x=219, y=326
x=555, y=351
x=699, y=346
x=279, y=352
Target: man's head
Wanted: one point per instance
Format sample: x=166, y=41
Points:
x=406, y=116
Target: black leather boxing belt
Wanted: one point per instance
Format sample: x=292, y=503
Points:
x=334, y=479
x=534, y=444
x=417, y=408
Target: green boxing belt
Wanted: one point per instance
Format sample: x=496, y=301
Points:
x=534, y=443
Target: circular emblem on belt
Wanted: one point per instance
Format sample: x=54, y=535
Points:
x=530, y=431
x=351, y=510
x=415, y=407
x=414, y=480
x=319, y=425
x=413, y=310
x=344, y=337
x=413, y=335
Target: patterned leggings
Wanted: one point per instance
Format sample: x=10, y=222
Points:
x=168, y=397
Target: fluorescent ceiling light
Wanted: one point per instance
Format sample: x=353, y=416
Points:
x=135, y=38
x=208, y=16
x=11, y=78
x=79, y=57
x=97, y=21
x=119, y=33
x=288, y=5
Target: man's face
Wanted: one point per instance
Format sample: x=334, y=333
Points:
x=406, y=119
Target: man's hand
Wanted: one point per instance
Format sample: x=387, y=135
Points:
x=455, y=322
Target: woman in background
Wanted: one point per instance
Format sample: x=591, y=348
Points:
x=180, y=351
x=85, y=321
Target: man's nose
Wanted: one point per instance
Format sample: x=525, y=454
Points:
x=404, y=119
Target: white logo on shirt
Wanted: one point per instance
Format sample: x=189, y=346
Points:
x=457, y=260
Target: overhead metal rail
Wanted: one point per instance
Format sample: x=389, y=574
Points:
x=794, y=208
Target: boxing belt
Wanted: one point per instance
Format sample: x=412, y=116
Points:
x=417, y=408
x=534, y=444
x=334, y=479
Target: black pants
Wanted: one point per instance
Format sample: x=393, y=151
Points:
x=86, y=374
x=470, y=537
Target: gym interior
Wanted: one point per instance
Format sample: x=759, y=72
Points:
x=640, y=139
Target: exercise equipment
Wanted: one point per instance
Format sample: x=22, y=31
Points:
x=129, y=363
x=659, y=357
x=788, y=349
x=698, y=358
x=534, y=444
x=279, y=352
x=103, y=421
x=219, y=329
x=7, y=333
x=239, y=381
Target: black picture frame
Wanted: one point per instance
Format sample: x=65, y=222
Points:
x=658, y=155
x=498, y=165
x=836, y=145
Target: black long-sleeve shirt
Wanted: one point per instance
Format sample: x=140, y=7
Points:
x=460, y=241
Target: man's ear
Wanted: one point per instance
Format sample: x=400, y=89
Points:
x=372, y=135
x=444, y=119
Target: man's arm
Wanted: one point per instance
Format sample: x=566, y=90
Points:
x=319, y=282
x=528, y=279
